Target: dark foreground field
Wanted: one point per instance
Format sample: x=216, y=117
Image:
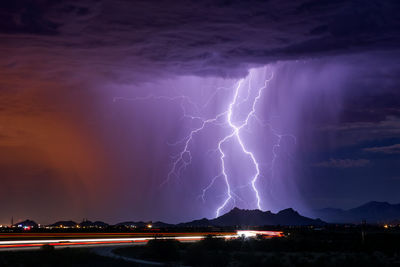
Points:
x=305, y=247
x=49, y=257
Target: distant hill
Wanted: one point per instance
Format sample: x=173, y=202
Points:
x=239, y=217
x=197, y=223
x=93, y=224
x=372, y=212
x=131, y=223
x=162, y=225
x=144, y=224
x=63, y=223
x=235, y=217
x=26, y=223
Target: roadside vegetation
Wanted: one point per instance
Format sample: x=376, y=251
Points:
x=303, y=248
x=299, y=247
x=50, y=257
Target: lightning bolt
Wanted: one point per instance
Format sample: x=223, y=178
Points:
x=236, y=133
x=184, y=158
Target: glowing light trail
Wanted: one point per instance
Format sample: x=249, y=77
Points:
x=111, y=241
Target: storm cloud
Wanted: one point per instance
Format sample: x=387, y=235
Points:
x=70, y=132
x=343, y=163
x=193, y=37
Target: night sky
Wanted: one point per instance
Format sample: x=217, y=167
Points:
x=98, y=99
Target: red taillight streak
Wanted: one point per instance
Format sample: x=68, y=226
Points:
x=106, y=234
x=72, y=243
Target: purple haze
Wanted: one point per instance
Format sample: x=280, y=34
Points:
x=87, y=130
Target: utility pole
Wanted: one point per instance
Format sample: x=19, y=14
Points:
x=363, y=224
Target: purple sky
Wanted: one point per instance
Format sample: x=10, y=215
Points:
x=94, y=96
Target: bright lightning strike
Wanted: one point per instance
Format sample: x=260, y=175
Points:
x=236, y=133
x=184, y=158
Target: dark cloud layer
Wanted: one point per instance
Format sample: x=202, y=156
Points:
x=199, y=37
x=343, y=163
x=63, y=137
x=392, y=149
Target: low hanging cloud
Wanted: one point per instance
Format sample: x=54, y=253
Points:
x=219, y=38
x=343, y=163
x=392, y=149
x=357, y=132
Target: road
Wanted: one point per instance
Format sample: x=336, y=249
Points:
x=92, y=242
x=63, y=240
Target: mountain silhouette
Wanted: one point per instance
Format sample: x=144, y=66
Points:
x=26, y=223
x=239, y=217
x=64, y=224
x=371, y=212
x=132, y=224
x=144, y=224
x=87, y=223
